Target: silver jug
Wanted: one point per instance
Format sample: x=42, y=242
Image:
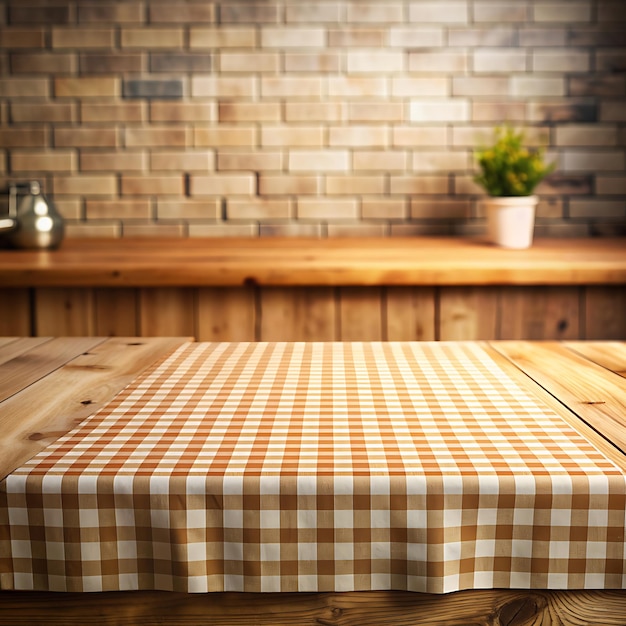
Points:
x=33, y=220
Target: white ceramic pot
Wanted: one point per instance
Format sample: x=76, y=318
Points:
x=511, y=220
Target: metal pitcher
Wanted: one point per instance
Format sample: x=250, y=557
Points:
x=33, y=221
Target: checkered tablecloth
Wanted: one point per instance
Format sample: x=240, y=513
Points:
x=317, y=467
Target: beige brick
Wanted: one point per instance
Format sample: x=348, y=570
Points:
x=485, y=111
x=411, y=185
x=244, y=136
x=220, y=38
x=415, y=37
x=359, y=37
x=480, y=86
x=166, y=231
x=86, y=87
x=89, y=185
x=311, y=13
x=597, y=209
x=356, y=87
x=380, y=160
x=290, y=87
x=501, y=12
x=356, y=230
x=22, y=38
x=101, y=230
x=499, y=60
x=222, y=87
x=314, y=111
x=355, y=185
x=204, y=209
x=151, y=38
x=274, y=37
x=43, y=63
x=444, y=61
x=83, y=37
x=24, y=87
x=414, y=136
x=442, y=12
x=273, y=185
x=375, y=62
x=496, y=36
x=249, y=12
x=403, y=86
x=439, y=110
x=223, y=185
x=441, y=161
x=114, y=112
x=566, y=12
x=23, y=137
x=566, y=185
x=313, y=62
x=118, y=209
x=465, y=185
x=113, y=161
x=38, y=161
x=560, y=61
x=613, y=111
x=85, y=137
x=593, y=160
x=472, y=136
x=153, y=185
x=611, y=185
x=249, y=112
x=257, y=62
x=375, y=112
x=358, y=136
x=290, y=230
x=256, y=161
x=307, y=136
x=375, y=12
x=254, y=209
x=183, y=112
x=529, y=86
x=177, y=12
x=164, y=136
x=223, y=230
x=327, y=209
x=319, y=161
x=440, y=209
x=46, y=112
x=586, y=135
x=69, y=208
x=113, y=13
x=183, y=161
x=384, y=208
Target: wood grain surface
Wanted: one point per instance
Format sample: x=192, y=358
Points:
x=368, y=608
x=330, y=262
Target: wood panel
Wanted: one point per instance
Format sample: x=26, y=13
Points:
x=65, y=312
x=37, y=416
x=15, y=312
x=599, y=397
x=298, y=314
x=608, y=354
x=605, y=312
x=468, y=313
x=226, y=314
x=116, y=312
x=167, y=312
x=361, y=314
x=540, y=313
x=411, y=314
x=11, y=347
x=368, y=608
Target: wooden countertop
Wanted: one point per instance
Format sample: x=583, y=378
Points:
x=294, y=261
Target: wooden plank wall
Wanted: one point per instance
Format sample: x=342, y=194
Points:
x=319, y=313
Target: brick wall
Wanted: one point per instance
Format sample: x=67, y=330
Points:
x=324, y=118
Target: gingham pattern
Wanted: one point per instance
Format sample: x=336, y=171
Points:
x=317, y=467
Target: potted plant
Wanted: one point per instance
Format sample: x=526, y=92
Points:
x=509, y=173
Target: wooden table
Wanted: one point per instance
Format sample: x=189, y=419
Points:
x=48, y=385
x=369, y=289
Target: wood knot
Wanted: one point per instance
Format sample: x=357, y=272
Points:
x=519, y=611
x=86, y=402
x=36, y=436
